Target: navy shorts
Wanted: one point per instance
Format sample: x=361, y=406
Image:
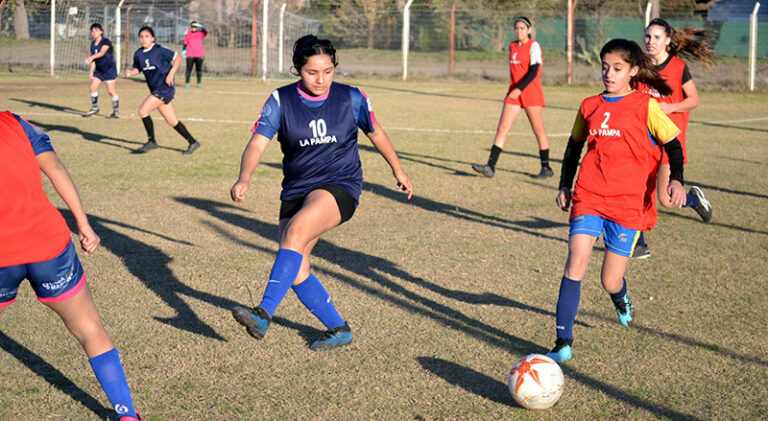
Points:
x=57, y=279
x=344, y=201
x=162, y=98
x=106, y=76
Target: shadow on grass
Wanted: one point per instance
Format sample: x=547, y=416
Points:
x=529, y=226
x=489, y=388
x=53, y=376
x=370, y=267
x=468, y=379
x=729, y=191
x=89, y=136
x=374, y=268
x=727, y=126
x=467, y=169
x=54, y=107
x=499, y=100
x=692, y=216
x=150, y=265
x=686, y=341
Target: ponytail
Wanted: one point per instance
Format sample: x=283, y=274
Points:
x=689, y=43
x=634, y=55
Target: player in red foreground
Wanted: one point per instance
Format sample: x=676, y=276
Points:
x=35, y=244
x=525, y=93
x=664, y=44
x=615, y=192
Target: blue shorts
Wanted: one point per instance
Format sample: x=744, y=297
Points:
x=106, y=76
x=57, y=279
x=617, y=239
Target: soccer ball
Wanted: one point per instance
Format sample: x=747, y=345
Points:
x=536, y=382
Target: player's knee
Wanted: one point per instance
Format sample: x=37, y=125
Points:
x=294, y=237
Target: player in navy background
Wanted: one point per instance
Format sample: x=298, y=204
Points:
x=102, y=69
x=316, y=121
x=159, y=65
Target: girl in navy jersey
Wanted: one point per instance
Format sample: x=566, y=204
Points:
x=159, y=65
x=102, y=69
x=525, y=93
x=625, y=131
x=316, y=121
x=664, y=44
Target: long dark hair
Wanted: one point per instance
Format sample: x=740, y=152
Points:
x=308, y=46
x=634, y=55
x=689, y=43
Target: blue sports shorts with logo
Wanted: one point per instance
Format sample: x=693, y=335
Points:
x=55, y=280
x=617, y=239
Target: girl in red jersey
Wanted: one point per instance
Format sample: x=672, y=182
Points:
x=664, y=44
x=35, y=244
x=614, y=194
x=525, y=93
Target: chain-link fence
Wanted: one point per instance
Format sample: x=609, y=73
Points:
x=370, y=38
x=234, y=45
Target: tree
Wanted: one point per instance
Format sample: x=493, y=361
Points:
x=20, y=19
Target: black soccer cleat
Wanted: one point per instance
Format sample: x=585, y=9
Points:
x=147, y=147
x=192, y=147
x=91, y=112
x=546, y=172
x=485, y=170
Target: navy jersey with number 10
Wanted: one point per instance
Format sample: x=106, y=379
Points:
x=319, y=144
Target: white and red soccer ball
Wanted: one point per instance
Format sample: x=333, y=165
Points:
x=536, y=382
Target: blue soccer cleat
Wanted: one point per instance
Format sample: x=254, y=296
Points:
x=625, y=309
x=334, y=338
x=562, y=350
x=256, y=320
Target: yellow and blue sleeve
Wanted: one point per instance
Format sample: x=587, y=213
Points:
x=580, y=130
x=659, y=124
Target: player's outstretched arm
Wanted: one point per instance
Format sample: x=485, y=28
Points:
x=382, y=143
x=131, y=72
x=55, y=170
x=250, y=160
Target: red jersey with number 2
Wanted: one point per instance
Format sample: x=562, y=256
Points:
x=617, y=178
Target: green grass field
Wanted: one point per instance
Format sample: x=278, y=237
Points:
x=444, y=293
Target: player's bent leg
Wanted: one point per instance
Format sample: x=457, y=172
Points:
x=80, y=316
x=319, y=214
x=168, y=113
x=612, y=277
x=579, y=250
x=94, y=93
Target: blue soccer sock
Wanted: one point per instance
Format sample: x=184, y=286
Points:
x=109, y=372
x=691, y=200
x=284, y=272
x=314, y=296
x=567, y=305
x=619, y=296
x=94, y=100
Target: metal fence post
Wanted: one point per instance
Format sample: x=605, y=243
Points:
x=753, y=46
x=406, y=36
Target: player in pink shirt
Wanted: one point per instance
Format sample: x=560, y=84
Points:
x=194, y=51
